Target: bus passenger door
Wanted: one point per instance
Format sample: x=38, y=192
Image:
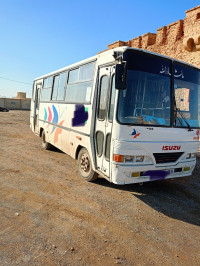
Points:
x=105, y=108
x=36, y=107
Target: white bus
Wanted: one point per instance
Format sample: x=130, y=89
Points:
x=126, y=114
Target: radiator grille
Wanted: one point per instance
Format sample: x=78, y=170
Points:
x=170, y=157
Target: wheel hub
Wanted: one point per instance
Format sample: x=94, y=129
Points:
x=85, y=164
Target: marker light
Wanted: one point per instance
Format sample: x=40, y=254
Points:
x=118, y=158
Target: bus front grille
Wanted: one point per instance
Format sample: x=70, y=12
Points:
x=170, y=157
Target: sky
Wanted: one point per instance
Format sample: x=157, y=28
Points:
x=40, y=36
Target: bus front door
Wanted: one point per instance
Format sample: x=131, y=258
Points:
x=36, y=107
x=103, y=131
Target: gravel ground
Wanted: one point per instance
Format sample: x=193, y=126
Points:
x=50, y=216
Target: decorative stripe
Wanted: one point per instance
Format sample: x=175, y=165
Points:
x=66, y=128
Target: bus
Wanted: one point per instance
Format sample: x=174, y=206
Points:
x=127, y=115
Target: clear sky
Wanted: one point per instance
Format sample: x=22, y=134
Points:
x=40, y=36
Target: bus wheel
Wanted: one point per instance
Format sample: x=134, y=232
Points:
x=85, y=166
x=45, y=145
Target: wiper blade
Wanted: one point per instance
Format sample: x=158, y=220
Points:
x=184, y=119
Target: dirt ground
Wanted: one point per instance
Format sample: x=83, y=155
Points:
x=50, y=216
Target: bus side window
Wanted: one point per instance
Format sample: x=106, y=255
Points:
x=80, y=83
x=112, y=100
x=46, y=90
x=103, y=98
x=55, y=88
x=59, y=87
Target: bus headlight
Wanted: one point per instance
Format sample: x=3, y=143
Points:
x=139, y=159
x=128, y=159
x=132, y=159
x=190, y=156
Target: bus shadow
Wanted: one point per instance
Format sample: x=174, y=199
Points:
x=54, y=149
x=175, y=199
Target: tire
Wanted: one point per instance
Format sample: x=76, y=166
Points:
x=45, y=145
x=85, y=166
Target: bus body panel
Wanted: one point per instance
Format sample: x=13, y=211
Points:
x=70, y=126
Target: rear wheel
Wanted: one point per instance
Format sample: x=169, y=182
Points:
x=45, y=145
x=85, y=166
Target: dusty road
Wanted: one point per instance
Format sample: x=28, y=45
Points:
x=50, y=216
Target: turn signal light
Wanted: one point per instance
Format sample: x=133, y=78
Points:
x=118, y=158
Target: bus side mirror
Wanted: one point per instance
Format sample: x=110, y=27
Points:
x=120, y=77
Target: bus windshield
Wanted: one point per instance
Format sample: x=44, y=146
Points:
x=186, y=91
x=148, y=98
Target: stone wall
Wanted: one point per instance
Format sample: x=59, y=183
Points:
x=180, y=39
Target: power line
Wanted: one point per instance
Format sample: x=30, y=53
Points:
x=15, y=81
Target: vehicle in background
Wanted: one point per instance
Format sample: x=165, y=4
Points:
x=4, y=109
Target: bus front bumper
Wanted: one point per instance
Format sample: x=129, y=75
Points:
x=126, y=174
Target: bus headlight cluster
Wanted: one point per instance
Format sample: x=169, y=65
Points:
x=131, y=159
x=190, y=156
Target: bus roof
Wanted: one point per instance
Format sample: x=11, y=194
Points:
x=109, y=53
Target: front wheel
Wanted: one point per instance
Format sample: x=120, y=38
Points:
x=45, y=145
x=85, y=166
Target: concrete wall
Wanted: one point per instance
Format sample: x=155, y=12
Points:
x=15, y=104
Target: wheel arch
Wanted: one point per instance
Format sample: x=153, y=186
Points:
x=78, y=149
x=41, y=130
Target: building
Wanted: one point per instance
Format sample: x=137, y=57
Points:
x=180, y=39
x=18, y=103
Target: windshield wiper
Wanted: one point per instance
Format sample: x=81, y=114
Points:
x=177, y=110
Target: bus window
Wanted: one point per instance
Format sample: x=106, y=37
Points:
x=46, y=90
x=80, y=83
x=112, y=100
x=99, y=141
x=103, y=98
x=55, y=87
x=107, y=149
x=86, y=72
x=59, y=87
x=73, y=76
